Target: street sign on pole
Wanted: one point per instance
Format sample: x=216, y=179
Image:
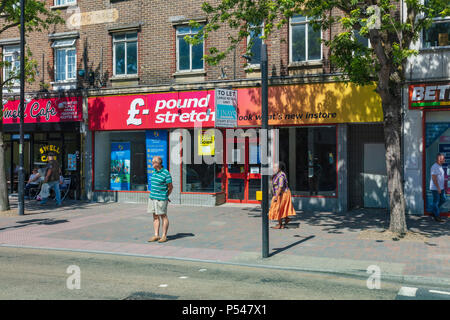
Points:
x=226, y=105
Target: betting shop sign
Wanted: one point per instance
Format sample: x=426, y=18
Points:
x=429, y=96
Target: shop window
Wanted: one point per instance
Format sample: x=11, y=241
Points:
x=120, y=161
x=437, y=141
x=310, y=158
x=189, y=57
x=305, y=44
x=125, y=54
x=197, y=175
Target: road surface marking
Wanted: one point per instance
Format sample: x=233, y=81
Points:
x=163, y=286
x=183, y=277
x=202, y=270
x=440, y=292
x=407, y=292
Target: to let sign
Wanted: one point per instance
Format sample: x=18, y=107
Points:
x=429, y=96
x=226, y=108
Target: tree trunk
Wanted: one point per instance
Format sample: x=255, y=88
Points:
x=4, y=200
x=392, y=137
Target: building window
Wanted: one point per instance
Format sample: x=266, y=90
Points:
x=65, y=59
x=64, y=2
x=362, y=40
x=197, y=175
x=255, y=40
x=189, y=57
x=438, y=33
x=125, y=54
x=11, y=58
x=305, y=42
x=310, y=158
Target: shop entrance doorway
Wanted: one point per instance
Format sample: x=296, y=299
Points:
x=243, y=170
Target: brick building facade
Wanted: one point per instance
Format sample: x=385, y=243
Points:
x=315, y=149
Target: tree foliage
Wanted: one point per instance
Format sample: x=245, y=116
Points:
x=390, y=43
x=37, y=18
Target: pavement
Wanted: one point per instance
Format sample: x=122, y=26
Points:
x=325, y=242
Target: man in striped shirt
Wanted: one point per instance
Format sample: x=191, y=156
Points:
x=161, y=187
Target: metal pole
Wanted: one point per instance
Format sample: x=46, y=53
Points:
x=264, y=164
x=21, y=172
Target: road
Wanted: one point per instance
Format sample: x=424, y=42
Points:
x=43, y=274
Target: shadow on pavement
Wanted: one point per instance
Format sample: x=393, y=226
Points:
x=180, y=236
x=279, y=250
x=362, y=219
x=26, y=223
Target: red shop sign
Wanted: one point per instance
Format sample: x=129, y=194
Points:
x=151, y=111
x=45, y=110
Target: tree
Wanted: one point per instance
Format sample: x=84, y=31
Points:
x=37, y=18
x=390, y=34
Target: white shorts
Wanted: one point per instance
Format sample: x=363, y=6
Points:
x=158, y=207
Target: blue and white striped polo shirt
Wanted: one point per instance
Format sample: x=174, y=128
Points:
x=158, y=184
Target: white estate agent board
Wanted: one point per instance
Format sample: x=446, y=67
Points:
x=226, y=105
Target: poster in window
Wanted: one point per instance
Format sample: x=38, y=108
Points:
x=120, y=166
x=206, y=143
x=156, y=145
x=72, y=162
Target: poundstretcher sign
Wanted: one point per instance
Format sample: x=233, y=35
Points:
x=151, y=111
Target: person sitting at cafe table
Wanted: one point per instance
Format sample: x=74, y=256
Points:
x=33, y=182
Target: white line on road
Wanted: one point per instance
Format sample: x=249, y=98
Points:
x=440, y=292
x=183, y=277
x=202, y=270
x=407, y=292
x=163, y=286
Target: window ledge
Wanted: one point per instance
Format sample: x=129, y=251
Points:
x=62, y=6
x=190, y=73
x=124, y=77
x=253, y=68
x=64, y=82
x=435, y=49
x=301, y=64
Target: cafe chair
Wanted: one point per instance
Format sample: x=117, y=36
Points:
x=64, y=188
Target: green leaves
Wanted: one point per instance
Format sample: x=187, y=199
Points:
x=392, y=40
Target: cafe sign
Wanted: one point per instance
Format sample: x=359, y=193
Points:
x=45, y=150
x=44, y=110
x=429, y=96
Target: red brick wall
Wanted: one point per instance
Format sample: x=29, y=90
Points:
x=157, y=42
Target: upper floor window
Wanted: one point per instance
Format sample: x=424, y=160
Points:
x=65, y=59
x=125, y=54
x=255, y=37
x=64, y=2
x=11, y=57
x=438, y=34
x=362, y=40
x=189, y=57
x=305, y=42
